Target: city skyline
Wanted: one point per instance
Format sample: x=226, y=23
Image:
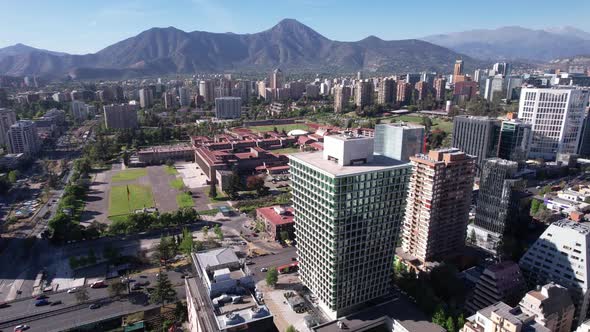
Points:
x=80, y=28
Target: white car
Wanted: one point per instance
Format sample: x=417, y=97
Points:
x=72, y=290
x=263, y=269
x=22, y=327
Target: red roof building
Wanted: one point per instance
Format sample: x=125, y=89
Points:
x=277, y=220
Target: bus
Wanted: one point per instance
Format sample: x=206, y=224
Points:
x=288, y=268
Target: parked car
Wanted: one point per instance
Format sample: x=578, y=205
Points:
x=136, y=286
x=41, y=303
x=264, y=269
x=249, y=262
x=55, y=303
x=22, y=327
x=94, y=306
x=41, y=297
x=98, y=284
x=72, y=290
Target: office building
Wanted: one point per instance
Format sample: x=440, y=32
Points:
x=584, y=146
x=296, y=89
x=438, y=204
x=341, y=98
x=120, y=116
x=499, y=282
x=348, y=207
x=184, y=97
x=497, y=202
x=551, y=306
x=560, y=255
x=404, y=92
x=23, y=138
x=399, y=140
x=428, y=77
x=7, y=119
x=477, y=136
x=500, y=317
x=413, y=79
x=513, y=87
x=276, y=79
x=494, y=88
x=557, y=118
x=79, y=111
x=515, y=140
x=458, y=69
x=387, y=91
x=440, y=89
x=479, y=75
x=363, y=94
x=146, y=98
x=312, y=91
x=206, y=89
x=228, y=107
x=465, y=90
x=422, y=89
x=501, y=68
x=169, y=100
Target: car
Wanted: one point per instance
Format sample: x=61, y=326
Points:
x=94, y=306
x=98, y=284
x=250, y=262
x=41, y=303
x=21, y=327
x=72, y=290
x=55, y=303
x=41, y=297
x=264, y=269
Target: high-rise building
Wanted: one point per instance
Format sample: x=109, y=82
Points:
x=363, y=94
x=312, y=91
x=120, y=116
x=584, y=146
x=22, y=138
x=560, y=255
x=386, y=91
x=168, y=100
x=228, y=107
x=479, y=75
x=515, y=140
x=341, y=97
x=513, y=87
x=428, y=77
x=465, y=90
x=422, y=89
x=146, y=98
x=501, y=68
x=404, y=92
x=206, y=89
x=438, y=205
x=276, y=79
x=79, y=111
x=497, y=202
x=296, y=89
x=552, y=307
x=413, y=78
x=398, y=140
x=440, y=88
x=7, y=119
x=557, y=117
x=494, y=88
x=499, y=282
x=348, y=206
x=458, y=69
x=477, y=136
x=184, y=97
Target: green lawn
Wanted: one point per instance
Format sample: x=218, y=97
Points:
x=436, y=123
x=184, y=200
x=177, y=184
x=139, y=197
x=221, y=196
x=211, y=212
x=170, y=170
x=286, y=150
x=287, y=127
x=130, y=174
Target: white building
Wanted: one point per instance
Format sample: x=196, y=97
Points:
x=146, y=98
x=7, y=119
x=500, y=317
x=410, y=135
x=79, y=111
x=22, y=138
x=560, y=255
x=557, y=117
x=349, y=206
x=228, y=107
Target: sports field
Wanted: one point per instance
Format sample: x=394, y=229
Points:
x=140, y=197
x=287, y=127
x=129, y=174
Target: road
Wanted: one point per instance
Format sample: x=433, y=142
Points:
x=281, y=257
x=71, y=314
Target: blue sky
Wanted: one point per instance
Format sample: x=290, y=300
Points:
x=84, y=26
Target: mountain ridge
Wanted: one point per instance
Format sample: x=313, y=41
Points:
x=288, y=44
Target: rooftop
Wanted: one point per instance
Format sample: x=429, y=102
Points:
x=316, y=160
x=216, y=257
x=277, y=215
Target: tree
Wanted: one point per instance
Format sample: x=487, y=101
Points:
x=399, y=268
x=450, y=325
x=186, y=244
x=535, y=204
x=169, y=162
x=272, y=276
x=284, y=236
x=218, y=232
x=472, y=237
x=235, y=184
x=460, y=321
x=13, y=176
x=257, y=183
x=205, y=231
x=82, y=295
x=290, y=328
x=439, y=316
x=163, y=291
x=180, y=312
x=116, y=288
x=165, y=249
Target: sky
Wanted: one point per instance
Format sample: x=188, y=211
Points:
x=87, y=26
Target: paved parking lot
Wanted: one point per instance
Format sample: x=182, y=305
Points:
x=192, y=176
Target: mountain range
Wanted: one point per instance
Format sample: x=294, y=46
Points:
x=516, y=43
x=289, y=44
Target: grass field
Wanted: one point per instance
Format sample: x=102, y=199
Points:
x=286, y=150
x=184, y=200
x=139, y=197
x=211, y=212
x=170, y=170
x=177, y=184
x=130, y=174
x=436, y=123
x=287, y=127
